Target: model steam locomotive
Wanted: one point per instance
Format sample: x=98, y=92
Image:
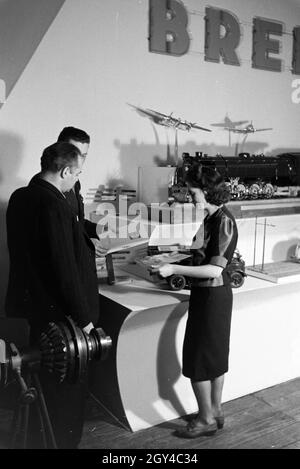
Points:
x=247, y=176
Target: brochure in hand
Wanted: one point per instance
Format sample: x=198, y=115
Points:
x=152, y=262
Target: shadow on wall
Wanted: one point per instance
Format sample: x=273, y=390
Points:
x=11, y=151
x=136, y=154
x=284, y=250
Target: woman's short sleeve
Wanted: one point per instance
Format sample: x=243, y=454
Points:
x=221, y=238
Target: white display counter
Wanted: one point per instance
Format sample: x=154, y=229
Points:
x=141, y=382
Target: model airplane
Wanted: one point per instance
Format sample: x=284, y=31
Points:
x=249, y=129
x=229, y=124
x=167, y=119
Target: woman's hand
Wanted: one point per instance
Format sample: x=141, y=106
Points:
x=166, y=270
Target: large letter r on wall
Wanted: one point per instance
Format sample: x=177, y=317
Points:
x=217, y=46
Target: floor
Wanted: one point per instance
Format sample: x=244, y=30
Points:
x=266, y=419
x=263, y=420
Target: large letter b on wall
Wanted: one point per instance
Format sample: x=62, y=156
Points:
x=168, y=27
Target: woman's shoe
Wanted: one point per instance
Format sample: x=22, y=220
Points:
x=220, y=421
x=197, y=430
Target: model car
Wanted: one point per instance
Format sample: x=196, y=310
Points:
x=236, y=271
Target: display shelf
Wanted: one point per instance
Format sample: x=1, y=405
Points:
x=277, y=272
x=131, y=289
x=264, y=208
x=162, y=213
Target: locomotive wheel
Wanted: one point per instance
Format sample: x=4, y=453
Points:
x=236, y=279
x=241, y=191
x=268, y=190
x=254, y=191
x=177, y=282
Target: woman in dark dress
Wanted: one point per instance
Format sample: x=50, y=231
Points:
x=206, y=342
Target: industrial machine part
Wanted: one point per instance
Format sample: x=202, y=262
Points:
x=65, y=350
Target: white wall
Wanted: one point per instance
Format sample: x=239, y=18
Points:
x=94, y=59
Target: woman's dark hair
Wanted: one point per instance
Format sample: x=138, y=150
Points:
x=210, y=181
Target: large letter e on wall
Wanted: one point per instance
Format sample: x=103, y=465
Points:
x=168, y=27
x=263, y=45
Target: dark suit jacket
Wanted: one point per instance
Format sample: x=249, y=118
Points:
x=76, y=202
x=52, y=260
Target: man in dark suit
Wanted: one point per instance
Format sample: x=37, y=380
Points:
x=53, y=272
x=81, y=140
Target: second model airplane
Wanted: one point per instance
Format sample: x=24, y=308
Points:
x=249, y=129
